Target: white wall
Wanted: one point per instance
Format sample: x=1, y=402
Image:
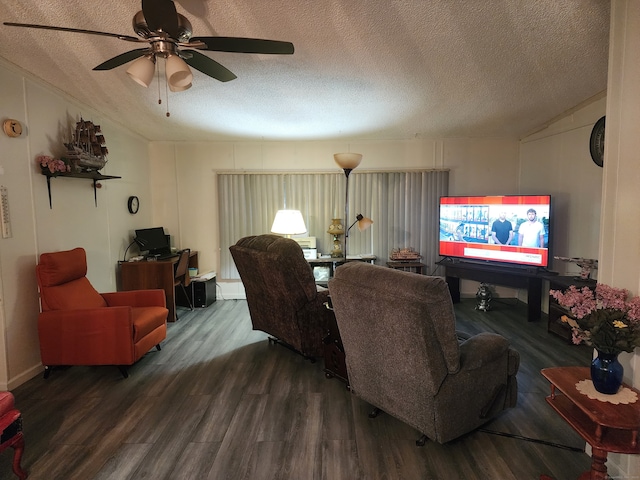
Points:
x=104, y=231
x=620, y=229
x=478, y=166
x=557, y=161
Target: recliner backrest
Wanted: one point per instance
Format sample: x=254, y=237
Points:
x=407, y=316
x=63, y=283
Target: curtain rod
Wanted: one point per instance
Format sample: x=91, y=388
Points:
x=315, y=172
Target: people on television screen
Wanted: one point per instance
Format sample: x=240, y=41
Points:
x=502, y=230
x=531, y=232
x=458, y=234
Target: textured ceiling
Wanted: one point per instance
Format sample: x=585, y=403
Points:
x=361, y=69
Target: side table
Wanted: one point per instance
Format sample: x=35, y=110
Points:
x=603, y=425
x=334, y=357
x=416, y=267
x=555, y=324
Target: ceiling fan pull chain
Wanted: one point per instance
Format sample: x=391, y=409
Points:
x=166, y=94
x=159, y=98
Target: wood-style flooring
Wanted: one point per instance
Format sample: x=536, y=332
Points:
x=220, y=402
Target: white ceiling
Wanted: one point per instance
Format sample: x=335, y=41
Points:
x=361, y=69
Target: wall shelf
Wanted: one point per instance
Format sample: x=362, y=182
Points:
x=94, y=176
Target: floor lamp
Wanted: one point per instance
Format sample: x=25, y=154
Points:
x=347, y=161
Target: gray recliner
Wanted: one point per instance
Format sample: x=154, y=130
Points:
x=405, y=357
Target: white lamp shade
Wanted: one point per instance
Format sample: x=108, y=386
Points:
x=364, y=223
x=347, y=161
x=288, y=222
x=142, y=70
x=178, y=73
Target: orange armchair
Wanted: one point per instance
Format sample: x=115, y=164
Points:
x=79, y=326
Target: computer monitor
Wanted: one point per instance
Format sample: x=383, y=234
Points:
x=153, y=240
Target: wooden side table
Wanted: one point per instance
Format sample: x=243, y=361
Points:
x=416, y=267
x=555, y=324
x=605, y=426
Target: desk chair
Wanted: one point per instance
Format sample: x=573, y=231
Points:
x=181, y=276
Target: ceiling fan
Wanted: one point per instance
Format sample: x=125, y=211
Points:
x=169, y=36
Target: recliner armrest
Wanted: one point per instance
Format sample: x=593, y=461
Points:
x=481, y=349
x=136, y=298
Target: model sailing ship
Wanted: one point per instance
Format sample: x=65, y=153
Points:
x=87, y=151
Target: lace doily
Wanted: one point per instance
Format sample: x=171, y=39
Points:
x=625, y=395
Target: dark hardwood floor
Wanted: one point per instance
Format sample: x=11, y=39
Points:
x=220, y=402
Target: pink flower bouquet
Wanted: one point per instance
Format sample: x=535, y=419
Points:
x=605, y=318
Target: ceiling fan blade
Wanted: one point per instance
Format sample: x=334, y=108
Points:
x=209, y=67
x=122, y=59
x=161, y=15
x=245, y=45
x=75, y=30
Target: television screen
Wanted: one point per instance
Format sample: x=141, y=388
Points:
x=507, y=228
x=152, y=239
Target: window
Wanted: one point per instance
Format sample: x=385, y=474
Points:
x=402, y=205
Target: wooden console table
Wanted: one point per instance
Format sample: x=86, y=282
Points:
x=155, y=274
x=603, y=425
x=334, y=262
x=530, y=279
x=556, y=311
x=406, y=266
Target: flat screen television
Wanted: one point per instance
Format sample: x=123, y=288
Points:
x=512, y=229
x=153, y=240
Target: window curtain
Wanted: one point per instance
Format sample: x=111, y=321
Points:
x=402, y=205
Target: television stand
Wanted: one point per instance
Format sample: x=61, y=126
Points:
x=525, y=278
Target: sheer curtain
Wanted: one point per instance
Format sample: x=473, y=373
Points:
x=402, y=205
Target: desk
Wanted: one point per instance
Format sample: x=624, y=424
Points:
x=145, y=275
x=531, y=279
x=334, y=262
x=603, y=425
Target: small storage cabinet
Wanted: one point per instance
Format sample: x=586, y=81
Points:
x=556, y=325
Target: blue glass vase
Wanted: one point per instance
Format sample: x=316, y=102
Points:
x=606, y=373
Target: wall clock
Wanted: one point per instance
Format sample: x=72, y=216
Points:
x=12, y=128
x=133, y=204
x=596, y=142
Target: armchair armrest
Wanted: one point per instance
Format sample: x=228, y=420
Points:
x=481, y=349
x=136, y=298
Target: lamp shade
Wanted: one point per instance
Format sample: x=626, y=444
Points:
x=347, y=161
x=178, y=73
x=364, y=223
x=288, y=222
x=179, y=89
x=141, y=71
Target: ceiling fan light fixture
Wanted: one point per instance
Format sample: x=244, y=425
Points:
x=142, y=70
x=179, y=89
x=178, y=73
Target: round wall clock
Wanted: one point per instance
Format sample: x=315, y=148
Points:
x=133, y=204
x=596, y=142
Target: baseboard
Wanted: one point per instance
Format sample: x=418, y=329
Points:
x=23, y=377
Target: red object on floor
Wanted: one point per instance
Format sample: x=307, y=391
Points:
x=11, y=432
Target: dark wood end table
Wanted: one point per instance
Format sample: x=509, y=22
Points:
x=605, y=426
